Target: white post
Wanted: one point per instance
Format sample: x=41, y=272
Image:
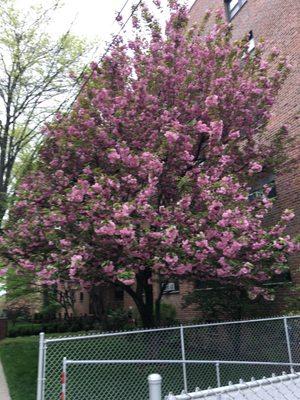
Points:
x=183, y=359
x=219, y=397
x=288, y=343
x=64, y=380
x=154, y=381
x=218, y=374
x=44, y=371
x=39, y=390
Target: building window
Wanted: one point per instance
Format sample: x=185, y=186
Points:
x=81, y=296
x=233, y=6
x=171, y=287
x=280, y=279
x=251, y=42
x=205, y=285
x=267, y=178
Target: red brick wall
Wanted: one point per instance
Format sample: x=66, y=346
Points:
x=82, y=307
x=3, y=328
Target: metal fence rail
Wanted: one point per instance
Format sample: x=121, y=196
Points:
x=283, y=387
x=261, y=340
x=71, y=390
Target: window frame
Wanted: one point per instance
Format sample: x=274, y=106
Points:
x=231, y=13
x=266, y=178
x=285, y=278
x=251, y=42
x=175, y=290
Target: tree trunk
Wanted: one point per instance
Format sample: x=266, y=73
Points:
x=3, y=206
x=143, y=298
x=96, y=298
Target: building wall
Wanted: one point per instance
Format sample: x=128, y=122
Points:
x=82, y=303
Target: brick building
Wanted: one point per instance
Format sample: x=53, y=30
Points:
x=278, y=23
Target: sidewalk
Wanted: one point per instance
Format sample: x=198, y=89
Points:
x=4, y=394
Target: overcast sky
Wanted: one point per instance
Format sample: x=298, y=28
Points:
x=93, y=19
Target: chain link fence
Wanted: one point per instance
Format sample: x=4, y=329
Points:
x=264, y=340
x=282, y=387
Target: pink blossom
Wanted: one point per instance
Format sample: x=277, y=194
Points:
x=171, y=137
x=171, y=259
x=254, y=167
x=288, y=215
x=128, y=282
x=3, y=271
x=77, y=194
x=113, y=156
x=201, y=127
x=212, y=101
x=254, y=292
x=243, y=271
x=109, y=269
x=65, y=243
x=224, y=272
x=108, y=229
x=234, y=135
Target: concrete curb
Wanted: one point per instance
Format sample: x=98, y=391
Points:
x=4, y=393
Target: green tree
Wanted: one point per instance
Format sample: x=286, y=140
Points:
x=24, y=291
x=34, y=82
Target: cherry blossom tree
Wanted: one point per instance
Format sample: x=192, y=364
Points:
x=148, y=177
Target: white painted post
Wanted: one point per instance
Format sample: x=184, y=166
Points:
x=154, y=381
x=288, y=343
x=219, y=397
x=64, y=380
x=218, y=375
x=39, y=390
x=183, y=359
x=44, y=370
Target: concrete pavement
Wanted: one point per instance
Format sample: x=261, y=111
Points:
x=4, y=394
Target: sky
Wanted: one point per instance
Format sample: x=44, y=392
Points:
x=92, y=19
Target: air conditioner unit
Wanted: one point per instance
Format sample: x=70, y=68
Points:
x=170, y=287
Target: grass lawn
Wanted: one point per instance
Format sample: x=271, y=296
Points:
x=19, y=358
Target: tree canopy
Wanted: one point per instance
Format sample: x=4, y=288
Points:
x=148, y=177
x=34, y=79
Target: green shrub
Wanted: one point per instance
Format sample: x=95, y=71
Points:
x=118, y=320
x=28, y=329
x=167, y=314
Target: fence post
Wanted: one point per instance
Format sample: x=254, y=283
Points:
x=288, y=343
x=154, y=381
x=44, y=370
x=63, y=380
x=218, y=374
x=39, y=390
x=183, y=358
